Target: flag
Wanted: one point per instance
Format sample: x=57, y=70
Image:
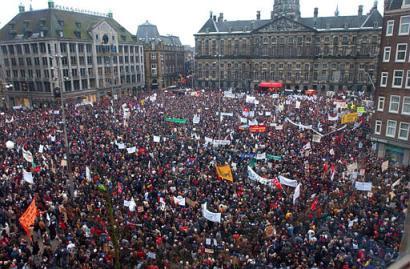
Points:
x=224, y=172
x=277, y=184
x=29, y=216
x=315, y=204
x=179, y=200
x=296, y=194
x=307, y=146
x=27, y=155
x=35, y=168
x=88, y=173
x=325, y=168
x=28, y=177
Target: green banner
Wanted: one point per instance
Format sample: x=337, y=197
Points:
x=176, y=120
x=273, y=157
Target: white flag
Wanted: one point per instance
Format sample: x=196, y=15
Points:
x=288, y=182
x=157, y=139
x=87, y=173
x=28, y=177
x=179, y=200
x=296, y=194
x=27, y=156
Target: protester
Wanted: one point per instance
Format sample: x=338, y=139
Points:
x=140, y=172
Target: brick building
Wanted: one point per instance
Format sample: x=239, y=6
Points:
x=164, y=57
x=391, y=122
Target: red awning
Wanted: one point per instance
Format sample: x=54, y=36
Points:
x=271, y=85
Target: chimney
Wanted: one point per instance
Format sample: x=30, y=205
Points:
x=110, y=14
x=210, y=14
x=50, y=4
x=360, y=12
x=258, y=15
x=316, y=12
x=214, y=18
x=21, y=8
x=221, y=17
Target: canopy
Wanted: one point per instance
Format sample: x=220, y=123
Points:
x=311, y=92
x=271, y=85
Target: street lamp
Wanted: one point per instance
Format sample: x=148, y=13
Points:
x=70, y=184
x=371, y=81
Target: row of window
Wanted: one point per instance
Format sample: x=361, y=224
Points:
x=393, y=129
x=401, y=53
x=404, y=27
x=394, y=104
x=398, y=78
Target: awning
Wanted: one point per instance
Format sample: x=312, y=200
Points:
x=270, y=85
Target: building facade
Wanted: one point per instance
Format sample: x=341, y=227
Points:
x=87, y=55
x=316, y=52
x=164, y=57
x=391, y=121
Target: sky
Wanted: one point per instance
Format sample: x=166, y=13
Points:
x=184, y=18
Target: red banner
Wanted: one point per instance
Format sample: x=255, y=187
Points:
x=257, y=129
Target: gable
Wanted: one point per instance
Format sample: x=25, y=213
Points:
x=283, y=25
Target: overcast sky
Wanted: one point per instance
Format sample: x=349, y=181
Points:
x=185, y=17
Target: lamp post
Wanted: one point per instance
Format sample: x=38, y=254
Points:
x=374, y=87
x=70, y=184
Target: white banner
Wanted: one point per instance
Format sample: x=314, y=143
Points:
x=297, y=104
x=229, y=94
x=120, y=145
x=261, y=156
x=214, y=217
x=132, y=150
x=268, y=113
x=196, y=119
x=316, y=138
x=224, y=114
x=28, y=177
x=253, y=122
x=255, y=177
x=296, y=194
x=41, y=149
x=363, y=186
x=217, y=143
x=288, y=182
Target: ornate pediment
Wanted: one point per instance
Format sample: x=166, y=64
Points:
x=284, y=25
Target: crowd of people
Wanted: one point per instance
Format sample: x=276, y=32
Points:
x=131, y=185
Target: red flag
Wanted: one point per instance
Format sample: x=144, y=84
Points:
x=315, y=204
x=325, y=167
x=333, y=168
x=277, y=184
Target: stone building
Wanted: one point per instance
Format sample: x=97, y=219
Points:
x=391, y=122
x=315, y=52
x=87, y=55
x=164, y=57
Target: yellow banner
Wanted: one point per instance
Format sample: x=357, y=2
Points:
x=349, y=118
x=224, y=172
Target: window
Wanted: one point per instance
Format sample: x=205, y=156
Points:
x=386, y=54
x=390, y=28
x=380, y=104
x=406, y=3
x=378, y=127
x=401, y=53
x=408, y=80
x=404, y=25
x=406, y=106
x=404, y=131
x=398, y=78
x=394, y=104
x=384, y=78
x=391, y=128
